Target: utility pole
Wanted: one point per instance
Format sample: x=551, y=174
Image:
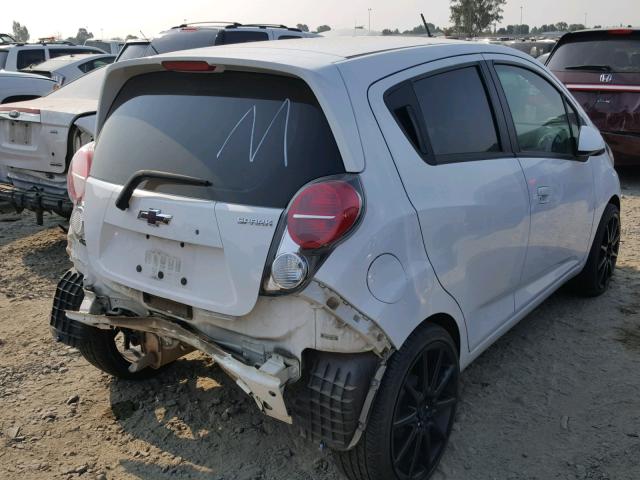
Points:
x=585, y=20
x=370, y=21
x=520, y=29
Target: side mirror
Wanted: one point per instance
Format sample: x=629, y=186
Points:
x=590, y=142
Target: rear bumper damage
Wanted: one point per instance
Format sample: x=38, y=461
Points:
x=36, y=200
x=265, y=385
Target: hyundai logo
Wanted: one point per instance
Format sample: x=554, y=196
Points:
x=154, y=217
x=606, y=78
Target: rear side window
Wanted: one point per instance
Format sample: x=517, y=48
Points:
x=227, y=37
x=606, y=53
x=457, y=113
x=258, y=138
x=31, y=56
x=3, y=58
x=538, y=111
x=288, y=37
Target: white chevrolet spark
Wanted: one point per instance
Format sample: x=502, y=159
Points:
x=341, y=224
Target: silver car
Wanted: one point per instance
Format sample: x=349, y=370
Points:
x=68, y=68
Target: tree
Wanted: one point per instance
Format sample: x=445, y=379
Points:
x=130, y=37
x=20, y=32
x=303, y=27
x=562, y=26
x=576, y=26
x=388, y=31
x=82, y=36
x=474, y=16
x=323, y=28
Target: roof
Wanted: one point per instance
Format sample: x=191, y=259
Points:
x=341, y=47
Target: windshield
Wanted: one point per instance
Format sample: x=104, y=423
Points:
x=257, y=138
x=618, y=55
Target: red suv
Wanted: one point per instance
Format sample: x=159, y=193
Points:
x=602, y=70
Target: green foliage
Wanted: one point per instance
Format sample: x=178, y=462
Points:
x=303, y=27
x=82, y=36
x=20, y=32
x=474, y=16
x=323, y=28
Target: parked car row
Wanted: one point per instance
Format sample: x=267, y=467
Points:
x=343, y=225
x=35, y=161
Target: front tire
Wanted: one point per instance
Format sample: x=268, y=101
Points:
x=595, y=277
x=413, y=413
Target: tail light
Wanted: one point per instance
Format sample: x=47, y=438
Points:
x=79, y=172
x=318, y=217
x=322, y=213
x=620, y=31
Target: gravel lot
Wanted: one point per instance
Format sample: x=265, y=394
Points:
x=556, y=398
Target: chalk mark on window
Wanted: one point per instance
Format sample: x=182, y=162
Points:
x=286, y=105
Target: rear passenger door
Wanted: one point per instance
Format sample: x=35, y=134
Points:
x=452, y=150
x=545, y=128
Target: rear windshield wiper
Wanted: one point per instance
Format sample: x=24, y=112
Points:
x=600, y=68
x=122, y=202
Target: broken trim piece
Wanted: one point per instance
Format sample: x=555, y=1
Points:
x=264, y=385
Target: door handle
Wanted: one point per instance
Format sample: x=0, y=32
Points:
x=544, y=193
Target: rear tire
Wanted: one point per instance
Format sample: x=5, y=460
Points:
x=595, y=277
x=413, y=412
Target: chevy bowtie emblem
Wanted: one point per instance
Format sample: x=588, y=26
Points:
x=606, y=78
x=154, y=217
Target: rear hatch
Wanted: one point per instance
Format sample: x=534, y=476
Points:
x=602, y=70
x=257, y=138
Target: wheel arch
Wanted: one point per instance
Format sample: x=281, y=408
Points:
x=447, y=322
x=615, y=200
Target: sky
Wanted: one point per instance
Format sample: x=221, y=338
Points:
x=112, y=18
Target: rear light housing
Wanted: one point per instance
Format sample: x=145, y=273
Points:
x=188, y=66
x=79, y=171
x=620, y=31
x=321, y=215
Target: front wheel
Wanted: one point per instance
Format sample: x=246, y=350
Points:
x=413, y=413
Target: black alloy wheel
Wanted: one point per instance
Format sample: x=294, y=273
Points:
x=424, y=412
x=608, y=254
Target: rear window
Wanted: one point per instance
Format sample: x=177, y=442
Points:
x=607, y=53
x=457, y=113
x=135, y=50
x=258, y=138
x=184, y=39
x=227, y=37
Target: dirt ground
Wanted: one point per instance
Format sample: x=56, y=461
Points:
x=558, y=397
